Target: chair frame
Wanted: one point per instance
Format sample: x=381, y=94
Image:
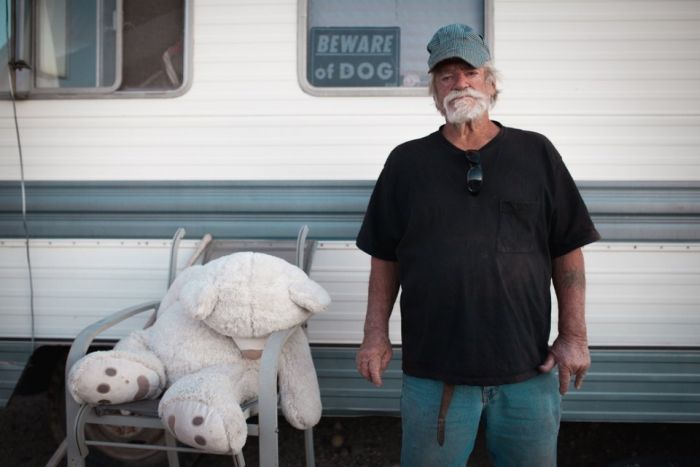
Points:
x=144, y=413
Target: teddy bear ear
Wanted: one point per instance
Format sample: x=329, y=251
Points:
x=198, y=297
x=309, y=295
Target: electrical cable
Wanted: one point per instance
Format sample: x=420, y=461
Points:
x=10, y=71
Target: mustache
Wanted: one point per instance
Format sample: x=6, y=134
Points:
x=452, y=95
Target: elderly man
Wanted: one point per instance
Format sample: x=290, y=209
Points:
x=473, y=222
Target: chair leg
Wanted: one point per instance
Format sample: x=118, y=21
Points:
x=173, y=459
x=309, y=447
x=58, y=455
x=268, y=442
x=238, y=459
x=76, y=449
x=73, y=455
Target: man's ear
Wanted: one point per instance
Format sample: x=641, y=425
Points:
x=309, y=295
x=198, y=297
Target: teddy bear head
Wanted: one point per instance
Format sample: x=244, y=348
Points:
x=251, y=295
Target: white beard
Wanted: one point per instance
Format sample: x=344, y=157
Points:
x=458, y=110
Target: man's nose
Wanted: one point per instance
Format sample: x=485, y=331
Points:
x=461, y=81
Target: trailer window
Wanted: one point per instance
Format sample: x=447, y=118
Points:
x=375, y=47
x=76, y=44
x=154, y=39
x=103, y=47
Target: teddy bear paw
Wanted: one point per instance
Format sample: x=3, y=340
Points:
x=102, y=379
x=201, y=426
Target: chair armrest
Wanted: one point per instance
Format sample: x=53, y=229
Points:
x=267, y=395
x=270, y=357
x=84, y=339
x=75, y=436
x=269, y=367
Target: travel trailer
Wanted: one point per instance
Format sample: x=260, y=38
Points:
x=121, y=121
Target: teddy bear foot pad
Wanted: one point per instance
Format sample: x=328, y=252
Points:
x=197, y=424
x=112, y=380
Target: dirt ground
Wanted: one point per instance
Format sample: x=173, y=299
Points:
x=26, y=441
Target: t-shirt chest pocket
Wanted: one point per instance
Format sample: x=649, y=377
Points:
x=517, y=226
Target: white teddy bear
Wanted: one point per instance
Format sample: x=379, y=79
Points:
x=204, y=350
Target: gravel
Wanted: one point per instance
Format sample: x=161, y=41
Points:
x=27, y=441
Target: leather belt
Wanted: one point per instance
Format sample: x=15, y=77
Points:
x=447, y=392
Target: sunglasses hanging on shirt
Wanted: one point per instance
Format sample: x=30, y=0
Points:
x=474, y=175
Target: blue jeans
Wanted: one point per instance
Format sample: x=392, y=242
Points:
x=521, y=422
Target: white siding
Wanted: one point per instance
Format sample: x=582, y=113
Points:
x=615, y=85
x=644, y=294
x=77, y=282
x=9, y=156
x=638, y=295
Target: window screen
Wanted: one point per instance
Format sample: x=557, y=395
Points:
x=154, y=34
x=377, y=43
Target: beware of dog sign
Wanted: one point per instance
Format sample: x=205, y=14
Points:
x=352, y=56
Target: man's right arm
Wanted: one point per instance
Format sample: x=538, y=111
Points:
x=375, y=352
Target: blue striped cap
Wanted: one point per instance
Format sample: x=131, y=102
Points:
x=458, y=41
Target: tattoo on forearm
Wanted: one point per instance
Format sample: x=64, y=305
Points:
x=573, y=280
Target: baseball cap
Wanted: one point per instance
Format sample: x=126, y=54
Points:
x=458, y=41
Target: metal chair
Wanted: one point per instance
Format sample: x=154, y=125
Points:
x=144, y=414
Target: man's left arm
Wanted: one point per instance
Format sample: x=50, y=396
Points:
x=570, y=349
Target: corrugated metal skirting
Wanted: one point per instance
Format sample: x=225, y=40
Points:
x=621, y=386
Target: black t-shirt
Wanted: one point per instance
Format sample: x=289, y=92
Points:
x=475, y=270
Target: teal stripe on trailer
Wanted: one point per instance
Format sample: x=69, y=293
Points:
x=623, y=211
x=621, y=386
x=266, y=210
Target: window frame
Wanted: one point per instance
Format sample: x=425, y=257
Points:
x=25, y=78
x=302, y=61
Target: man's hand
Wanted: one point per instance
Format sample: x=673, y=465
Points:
x=570, y=349
x=374, y=356
x=375, y=351
x=571, y=354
